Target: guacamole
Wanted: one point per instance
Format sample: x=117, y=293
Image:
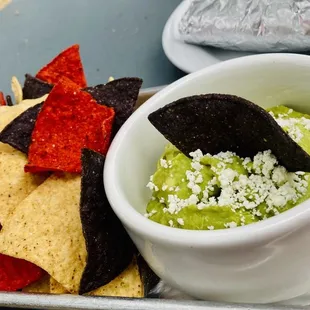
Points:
x=205, y=192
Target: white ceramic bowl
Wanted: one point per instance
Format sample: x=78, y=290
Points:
x=263, y=262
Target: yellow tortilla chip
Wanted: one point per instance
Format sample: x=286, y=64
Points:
x=7, y=114
x=47, y=285
x=41, y=286
x=127, y=284
x=46, y=229
x=4, y=3
x=17, y=90
x=56, y=287
x=16, y=185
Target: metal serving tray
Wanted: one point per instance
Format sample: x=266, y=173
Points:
x=76, y=302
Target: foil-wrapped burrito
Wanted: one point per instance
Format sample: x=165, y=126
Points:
x=247, y=25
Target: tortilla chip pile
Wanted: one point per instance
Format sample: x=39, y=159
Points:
x=58, y=233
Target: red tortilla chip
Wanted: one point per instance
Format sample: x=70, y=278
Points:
x=67, y=64
x=17, y=273
x=107, y=126
x=69, y=120
x=2, y=99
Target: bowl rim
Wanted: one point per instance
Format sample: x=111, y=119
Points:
x=269, y=229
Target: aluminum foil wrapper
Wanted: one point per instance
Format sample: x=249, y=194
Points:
x=248, y=25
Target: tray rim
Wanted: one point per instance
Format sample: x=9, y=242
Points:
x=77, y=302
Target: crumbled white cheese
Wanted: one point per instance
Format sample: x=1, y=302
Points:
x=201, y=205
x=190, y=176
x=180, y=221
x=152, y=186
x=256, y=212
x=199, y=179
x=295, y=133
x=226, y=157
x=150, y=213
x=212, y=201
x=230, y=225
x=279, y=175
x=233, y=225
x=196, y=165
x=163, y=163
x=196, y=189
x=197, y=155
x=265, y=185
x=193, y=177
x=171, y=223
x=210, y=227
x=291, y=125
x=227, y=176
x=205, y=194
x=300, y=173
x=264, y=163
x=245, y=163
x=175, y=204
x=164, y=187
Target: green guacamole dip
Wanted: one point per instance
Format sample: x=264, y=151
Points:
x=205, y=192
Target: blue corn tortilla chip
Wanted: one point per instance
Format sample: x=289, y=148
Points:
x=109, y=248
x=35, y=88
x=18, y=133
x=9, y=101
x=217, y=122
x=120, y=94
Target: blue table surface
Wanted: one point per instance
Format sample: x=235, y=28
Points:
x=117, y=38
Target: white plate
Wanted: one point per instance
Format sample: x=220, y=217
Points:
x=188, y=57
